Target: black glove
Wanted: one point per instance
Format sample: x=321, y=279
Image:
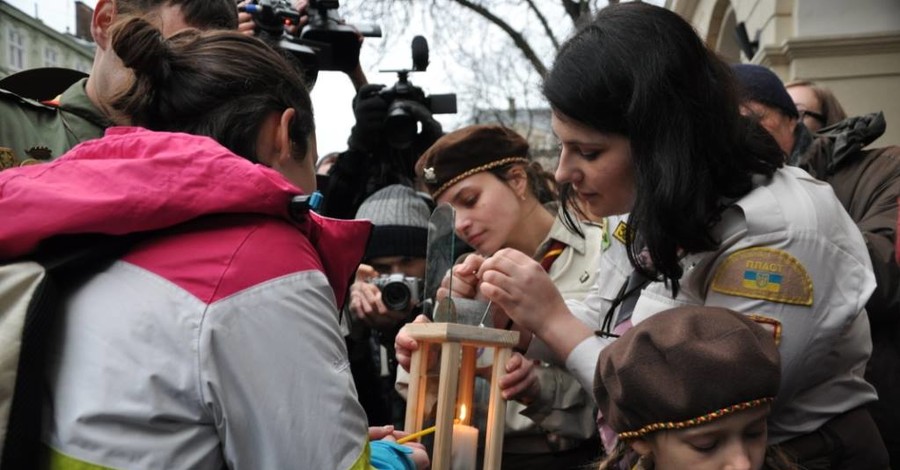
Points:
x=370, y=109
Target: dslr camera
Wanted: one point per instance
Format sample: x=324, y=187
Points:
x=406, y=101
x=325, y=43
x=398, y=291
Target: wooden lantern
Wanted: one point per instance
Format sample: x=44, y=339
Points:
x=459, y=344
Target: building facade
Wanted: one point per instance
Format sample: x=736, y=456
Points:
x=851, y=47
x=27, y=43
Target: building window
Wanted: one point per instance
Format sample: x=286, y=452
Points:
x=51, y=56
x=16, y=55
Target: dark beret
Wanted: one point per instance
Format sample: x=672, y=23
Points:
x=468, y=151
x=685, y=367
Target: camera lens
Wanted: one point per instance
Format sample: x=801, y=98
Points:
x=395, y=296
x=400, y=126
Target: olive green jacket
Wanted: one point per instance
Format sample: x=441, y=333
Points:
x=31, y=131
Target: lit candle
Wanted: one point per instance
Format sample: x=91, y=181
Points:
x=464, y=450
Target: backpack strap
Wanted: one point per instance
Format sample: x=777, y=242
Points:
x=67, y=262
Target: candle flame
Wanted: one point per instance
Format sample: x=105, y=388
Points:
x=462, y=412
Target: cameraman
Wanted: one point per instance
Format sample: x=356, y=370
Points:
x=372, y=162
x=397, y=246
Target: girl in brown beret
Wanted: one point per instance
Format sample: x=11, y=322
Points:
x=703, y=212
x=499, y=194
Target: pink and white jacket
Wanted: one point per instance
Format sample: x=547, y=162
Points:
x=212, y=343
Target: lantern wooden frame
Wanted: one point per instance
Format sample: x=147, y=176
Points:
x=459, y=344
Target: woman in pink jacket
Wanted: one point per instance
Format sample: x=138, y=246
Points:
x=214, y=341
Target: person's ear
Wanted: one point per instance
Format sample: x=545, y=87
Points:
x=103, y=18
x=284, y=146
x=641, y=446
x=517, y=178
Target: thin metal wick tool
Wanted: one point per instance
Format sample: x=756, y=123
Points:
x=484, y=315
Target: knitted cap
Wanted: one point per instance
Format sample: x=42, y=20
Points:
x=468, y=151
x=757, y=83
x=400, y=219
x=685, y=367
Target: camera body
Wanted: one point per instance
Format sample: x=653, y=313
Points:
x=401, y=122
x=398, y=291
x=325, y=43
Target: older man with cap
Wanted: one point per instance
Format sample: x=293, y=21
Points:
x=867, y=183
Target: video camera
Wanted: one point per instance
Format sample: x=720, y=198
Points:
x=401, y=123
x=325, y=43
x=398, y=292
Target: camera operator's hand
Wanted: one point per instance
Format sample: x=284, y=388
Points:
x=245, y=20
x=366, y=304
x=247, y=26
x=370, y=109
x=302, y=6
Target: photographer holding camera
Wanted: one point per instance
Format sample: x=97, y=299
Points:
x=312, y=42
x=386, y=295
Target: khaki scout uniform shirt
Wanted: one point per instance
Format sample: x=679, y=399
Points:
x=790, y=258
x=33, y=132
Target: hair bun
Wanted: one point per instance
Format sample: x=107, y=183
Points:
x=142, y=47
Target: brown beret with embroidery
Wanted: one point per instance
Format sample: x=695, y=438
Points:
x=468, y=151
x=685, y=367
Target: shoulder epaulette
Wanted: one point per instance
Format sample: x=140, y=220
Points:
x=8, y=96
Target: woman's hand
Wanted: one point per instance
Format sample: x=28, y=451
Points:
x=461, y=281
x=404, y=344
x=521, y=381
x=521, y=288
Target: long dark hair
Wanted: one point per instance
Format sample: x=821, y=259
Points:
x=220, y=84
x=640, y=71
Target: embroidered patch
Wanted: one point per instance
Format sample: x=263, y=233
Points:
x=619, y=232
x=764, y=273
x=769, y=324
x=7, y=158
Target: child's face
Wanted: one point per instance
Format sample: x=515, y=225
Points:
x=734, y=442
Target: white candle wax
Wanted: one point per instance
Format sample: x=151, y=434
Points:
x=465, y=447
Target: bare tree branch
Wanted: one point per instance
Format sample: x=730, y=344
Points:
x=544, y=23
x=517, y=37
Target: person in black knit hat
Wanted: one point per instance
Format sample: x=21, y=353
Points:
x=395, y=254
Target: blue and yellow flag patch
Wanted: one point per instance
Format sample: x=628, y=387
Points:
x=764, y=273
